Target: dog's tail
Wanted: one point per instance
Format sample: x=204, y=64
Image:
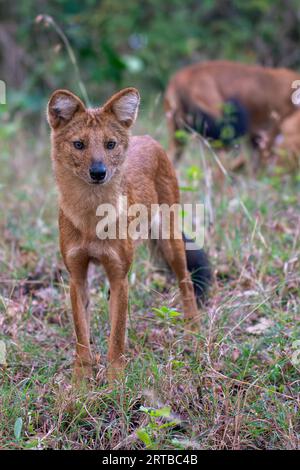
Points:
x=199, y=266
x=197, y=263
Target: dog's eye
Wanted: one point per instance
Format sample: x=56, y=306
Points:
x=78, y=144
x=110, y=145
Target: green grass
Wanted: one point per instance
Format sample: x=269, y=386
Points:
x=236, y=386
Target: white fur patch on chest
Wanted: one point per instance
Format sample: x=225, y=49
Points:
x=95, y=249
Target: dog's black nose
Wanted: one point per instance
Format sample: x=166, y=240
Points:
x=98, y=171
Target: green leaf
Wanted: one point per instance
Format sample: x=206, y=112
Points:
x=177, y=364
x=161, y=412
x=181, y=135
x=18, y=428
x=170, y=424
x=144, y=437
x=144, y=409
x=32, y=444
x=193, y=172
x=166, y=313
x=188, y=188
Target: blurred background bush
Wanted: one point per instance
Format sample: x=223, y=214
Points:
x=140, y=43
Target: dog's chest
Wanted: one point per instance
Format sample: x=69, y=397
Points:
x=97, y=251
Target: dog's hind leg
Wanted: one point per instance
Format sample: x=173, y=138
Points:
x=173, y=252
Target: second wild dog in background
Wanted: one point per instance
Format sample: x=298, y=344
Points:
x=96, y=161
x=225, y=100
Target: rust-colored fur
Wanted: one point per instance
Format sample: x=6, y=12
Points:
x=287, y=143
x=138, y=168
x=264, y=93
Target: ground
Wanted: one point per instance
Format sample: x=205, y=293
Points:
x=235, y=386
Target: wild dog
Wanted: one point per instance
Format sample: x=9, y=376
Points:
x=225, y=100
x=287, y=144
x=95, y=161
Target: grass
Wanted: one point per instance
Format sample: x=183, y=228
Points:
x=238, y=388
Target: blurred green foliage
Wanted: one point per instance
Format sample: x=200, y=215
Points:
x=139, y=43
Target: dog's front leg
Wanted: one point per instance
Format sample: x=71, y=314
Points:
x=118, y=305
x=79, y=298
x=117, y=272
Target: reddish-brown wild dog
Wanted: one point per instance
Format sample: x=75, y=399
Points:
x=260, y=98
x=96, y=161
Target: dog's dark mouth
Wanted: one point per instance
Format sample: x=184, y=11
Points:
x=107, y=178
x=98, y=182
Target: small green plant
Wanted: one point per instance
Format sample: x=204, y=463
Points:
x=150, y=434
x=194, y=174
x=167, y=314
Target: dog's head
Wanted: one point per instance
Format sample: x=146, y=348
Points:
x=92, y=143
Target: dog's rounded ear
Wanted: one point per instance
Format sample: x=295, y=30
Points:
x=62, y=107
x=124, y=105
